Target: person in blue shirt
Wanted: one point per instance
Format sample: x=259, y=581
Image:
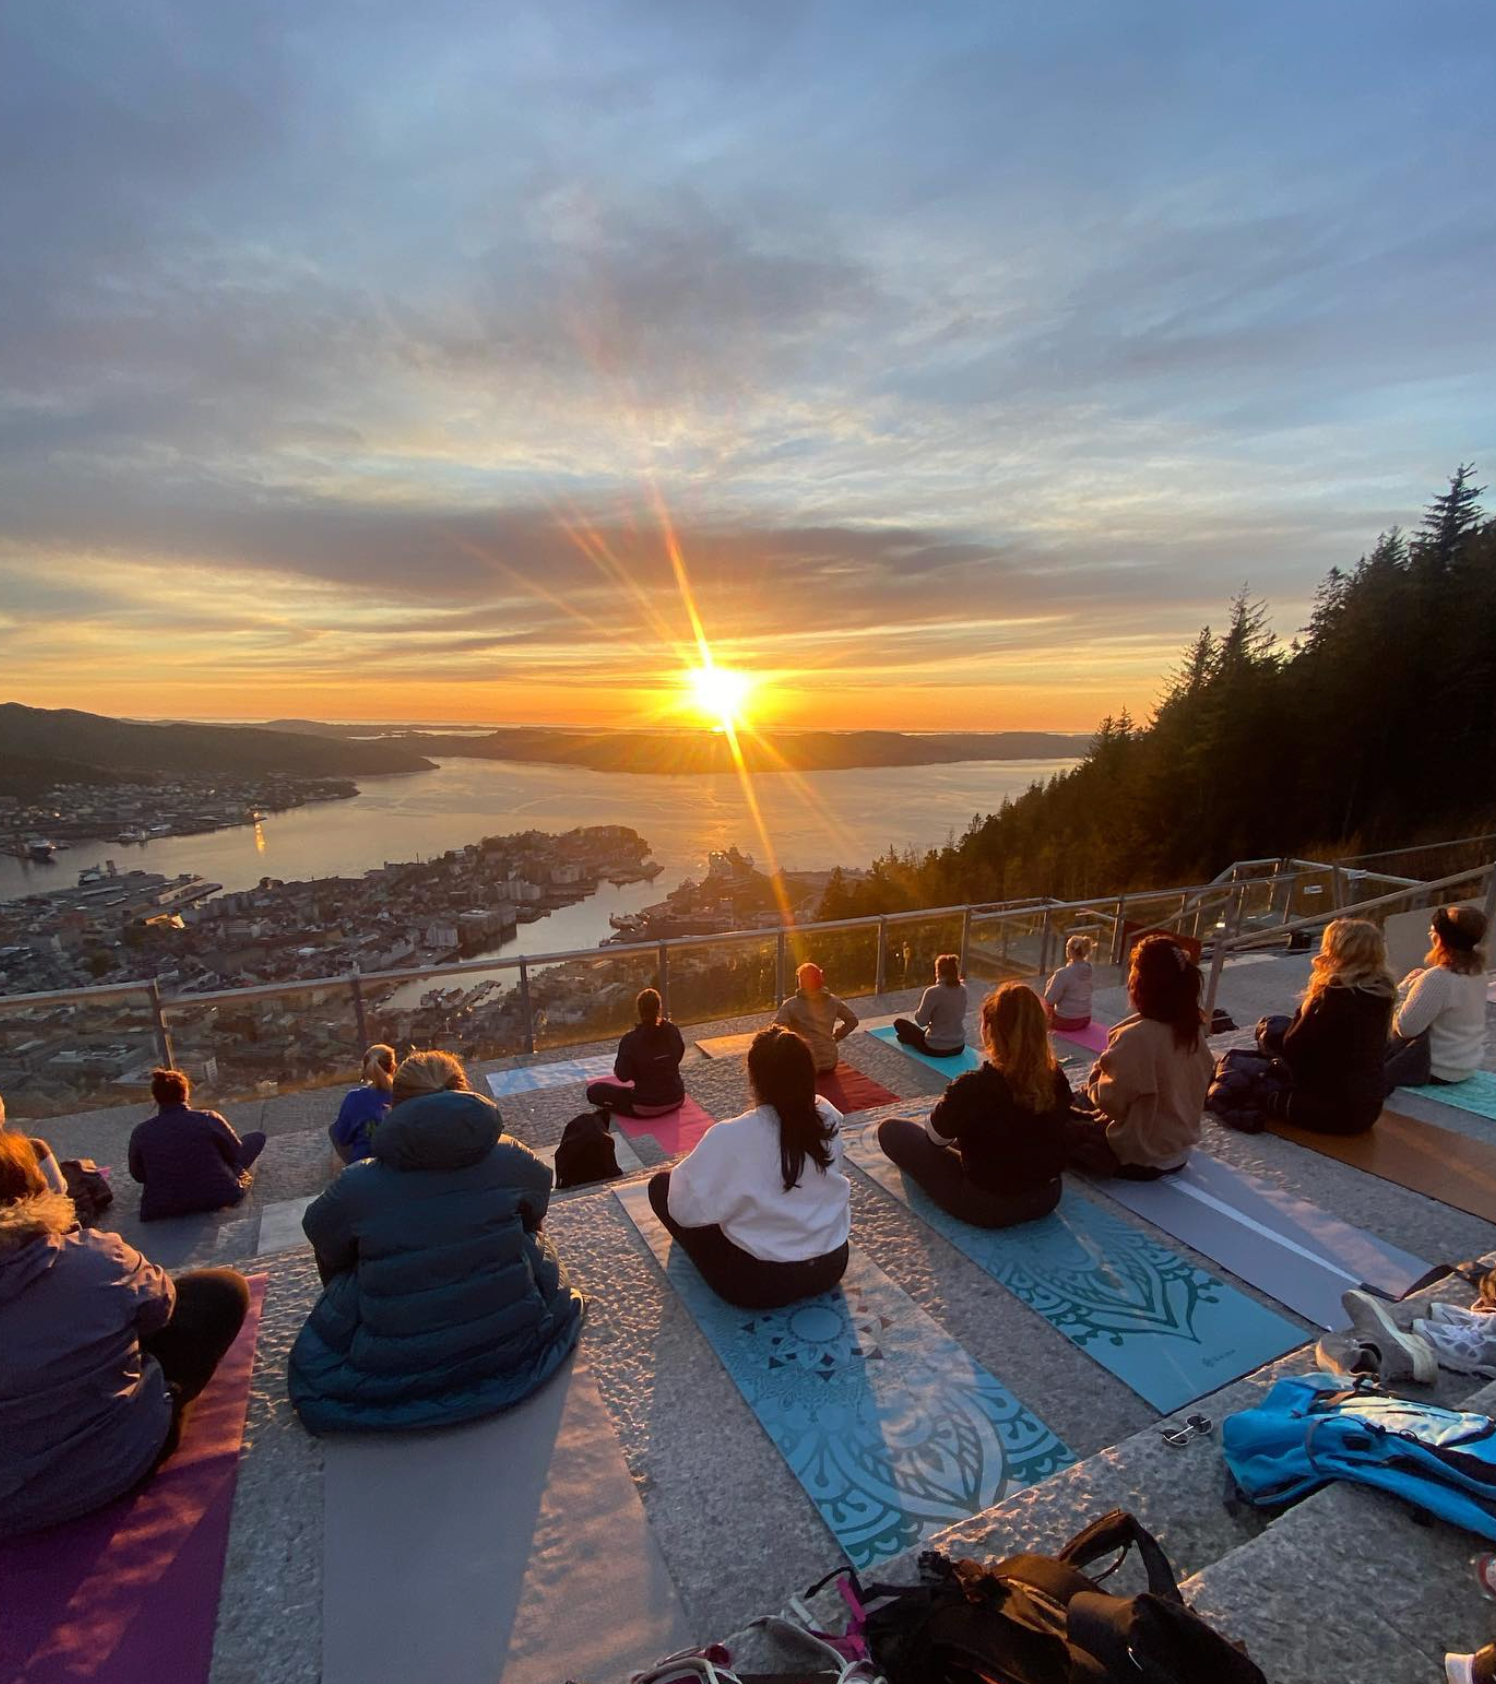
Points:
x=352, y=1131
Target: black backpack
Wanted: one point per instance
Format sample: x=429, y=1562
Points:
x=586, y=1151
x=1038, y=1619
x=88, y=1188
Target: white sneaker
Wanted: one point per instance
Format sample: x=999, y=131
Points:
x=1454, y=1316
x=1400, y=1355
x=1460, y=1349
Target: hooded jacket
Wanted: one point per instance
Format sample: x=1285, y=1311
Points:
x=84, y=1412
x=443, y=1301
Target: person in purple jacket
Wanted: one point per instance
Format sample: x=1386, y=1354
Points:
x=101, y=1352
x=187, y=1160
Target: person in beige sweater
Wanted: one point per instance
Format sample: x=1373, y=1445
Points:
x=817, y=1017
x=1148, y=1088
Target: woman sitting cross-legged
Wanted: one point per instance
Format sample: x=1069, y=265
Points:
x=352, y=1130
x=1336, y=1046
x=938, y=1027
x=188, y=1161
x=1067, y=994
x=101, y=1352
x=761, y=1206
x=442, y=1300
x=992, y=1151
x=1439, y=1028
x=1148, y=1088
x=648, y=1058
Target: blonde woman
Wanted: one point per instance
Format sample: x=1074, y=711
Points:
x=1439, y=1029
x=1336, y=1046
x=352, y=1132
x=992, y=1151
x=1067, y=994
x=442, y=1299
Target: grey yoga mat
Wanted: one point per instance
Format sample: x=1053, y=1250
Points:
x=1283, y=1245
x=465, y=1555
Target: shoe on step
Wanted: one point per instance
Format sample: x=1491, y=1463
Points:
x=1460, y=1349
x=1401, y=1355
x=1344, y=1353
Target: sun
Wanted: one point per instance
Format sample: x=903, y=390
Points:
x=719, y=694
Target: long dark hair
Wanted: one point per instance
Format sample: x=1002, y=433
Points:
x=1165, y=984
x=782, y=1073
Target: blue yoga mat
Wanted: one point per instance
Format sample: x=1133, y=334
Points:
x=1476, y=1094
x=564, y=1073
x=1168, y=1330
x=890, y=1428
x=969, y=1059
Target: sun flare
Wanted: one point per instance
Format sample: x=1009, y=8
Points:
x=719, y=694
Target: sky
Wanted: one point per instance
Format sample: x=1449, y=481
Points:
x=953, y=362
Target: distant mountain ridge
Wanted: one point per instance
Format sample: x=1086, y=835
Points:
x=114, y=746
x=687, y=752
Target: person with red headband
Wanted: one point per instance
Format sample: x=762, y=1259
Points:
x=817, y=1016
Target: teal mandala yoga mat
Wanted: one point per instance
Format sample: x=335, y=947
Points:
x=563, y=1073
x=950, y=1068
x=1476, y=1094
x=1168, y=1330
x=891, y=1429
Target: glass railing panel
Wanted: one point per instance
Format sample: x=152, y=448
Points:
x=1004, y=945
x=256, y=1045
x=913, y=947
x=1095, y=922
x=848, y=957
x=76, y=1055
x=578, y=1000
x=478, y=1015
x=723, y=979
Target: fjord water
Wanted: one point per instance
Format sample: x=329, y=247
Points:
x=814, y=820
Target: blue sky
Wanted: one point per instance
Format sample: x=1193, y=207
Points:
x=979, y=352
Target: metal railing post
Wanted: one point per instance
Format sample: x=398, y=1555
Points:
x=1491, y=899
x=1218, y=955
x=881, y=974
x=361, y=1026
x=1118, y=937
x=1046, y=931
x=1337, y=888
x=664, y=980
x=781, y=968
x=965, y=938
x=524, y=1006
x=163, y=1034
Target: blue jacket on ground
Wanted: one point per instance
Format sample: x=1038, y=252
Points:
x=443, y=1301
x=352, y=1131
x=186, y=1161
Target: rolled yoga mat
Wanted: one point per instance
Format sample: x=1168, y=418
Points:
x=1283, y=1245
x=513, y=1548
x=129, y=1594
x=1420, y=1156
x=1163, y=1327
x=564, y=1073
x=887, y=1424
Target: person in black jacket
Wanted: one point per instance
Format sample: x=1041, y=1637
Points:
x=1336, y=1046
x=993, y=1148
x=648, y=1057
x=188, y=1161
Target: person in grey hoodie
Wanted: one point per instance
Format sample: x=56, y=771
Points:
x=100, y=1352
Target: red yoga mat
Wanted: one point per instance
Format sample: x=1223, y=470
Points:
x=850, y=1090
x=676, y=1131
x=129, y=1595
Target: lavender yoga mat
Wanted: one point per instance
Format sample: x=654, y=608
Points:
x=129, y=1595
x=1092, y=1037
x=1279, y=1243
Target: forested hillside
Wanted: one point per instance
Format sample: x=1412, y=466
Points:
x=1376, y=726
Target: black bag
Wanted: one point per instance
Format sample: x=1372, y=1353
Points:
x=586, y=1151
x=88, y=1188
x=1038, y=1619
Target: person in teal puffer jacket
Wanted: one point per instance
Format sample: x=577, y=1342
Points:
x=442, y=1300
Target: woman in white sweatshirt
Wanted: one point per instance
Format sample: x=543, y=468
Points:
x=761, y=1206
x=1439, y=1030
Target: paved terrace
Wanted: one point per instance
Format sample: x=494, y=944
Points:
x=1345, y=1585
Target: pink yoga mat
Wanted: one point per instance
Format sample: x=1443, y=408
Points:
x=850, y=1090
x=129, y=1595
x=676, y=1132
x=1092, y=1036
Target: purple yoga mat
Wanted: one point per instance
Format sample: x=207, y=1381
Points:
x=129, y=1595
